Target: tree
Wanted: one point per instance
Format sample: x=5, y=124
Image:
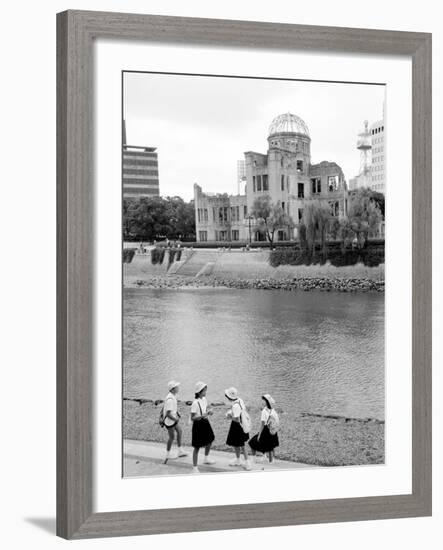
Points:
x=270, y=217
x=364, y=215
x=184, y=216
x=345, y=233
x=316, y=218
x=150, y=218
x=301, y=231
x=379, y=199
x=375, y=196
x=334, y=227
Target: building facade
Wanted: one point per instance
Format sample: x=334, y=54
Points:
x=139, y=170
x=378, y=178
x=220, y=217
x=285, y=174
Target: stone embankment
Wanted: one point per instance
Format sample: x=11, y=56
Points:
x=326, y=284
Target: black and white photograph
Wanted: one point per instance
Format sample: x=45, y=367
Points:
x=253, y=265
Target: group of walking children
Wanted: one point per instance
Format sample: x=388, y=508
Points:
x=265, y=441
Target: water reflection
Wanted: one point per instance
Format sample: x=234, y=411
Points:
x=316, y=352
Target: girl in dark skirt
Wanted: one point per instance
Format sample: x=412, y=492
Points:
x=236, y=435
x=202, y=434
x=267, y=438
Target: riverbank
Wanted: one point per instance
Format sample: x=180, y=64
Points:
x=307, y=438
x=240, y=269
x=326, y=284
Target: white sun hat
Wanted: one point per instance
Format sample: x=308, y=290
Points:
x=173, y=384
x=231, y=393
x=200, y=386
x=269, y=398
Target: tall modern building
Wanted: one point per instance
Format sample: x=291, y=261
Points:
x=378, y=177
x=140, y=170
x=285, y=174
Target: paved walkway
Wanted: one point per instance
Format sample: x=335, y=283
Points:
x=146, y=458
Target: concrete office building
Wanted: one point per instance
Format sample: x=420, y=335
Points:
x=285, y=174
x=140, y=170
x=378, y=176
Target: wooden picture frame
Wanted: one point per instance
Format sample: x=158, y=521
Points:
x=76, y=32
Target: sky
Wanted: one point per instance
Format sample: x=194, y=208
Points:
x=201, y=125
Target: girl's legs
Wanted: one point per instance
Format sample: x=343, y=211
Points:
x=245, y=452
x=236, y=460
x=247, y=464
x=170, y=439
x=195, y=457
x=207, y=451
x=179, y=431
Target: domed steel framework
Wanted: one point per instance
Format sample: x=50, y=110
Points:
x=288, y=124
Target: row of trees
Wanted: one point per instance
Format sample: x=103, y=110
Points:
x=151, y=218
x=363, y=219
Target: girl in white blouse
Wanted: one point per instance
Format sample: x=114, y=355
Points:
x=202, y=433
x=237, y=436
x=267, y=438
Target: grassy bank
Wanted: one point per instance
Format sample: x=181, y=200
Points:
x=320, y=440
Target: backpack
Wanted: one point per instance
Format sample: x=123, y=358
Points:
x=161, y=418
x=245, y=419
x=273, y=423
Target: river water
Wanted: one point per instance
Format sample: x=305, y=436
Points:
x=314, y=352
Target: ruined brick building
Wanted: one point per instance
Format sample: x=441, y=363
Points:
x=285, y=173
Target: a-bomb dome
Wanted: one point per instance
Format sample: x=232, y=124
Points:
x=288, y=124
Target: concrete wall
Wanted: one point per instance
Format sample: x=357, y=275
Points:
x=250, y=265
x=241, y=265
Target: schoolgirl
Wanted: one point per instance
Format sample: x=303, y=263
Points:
x=238, y=431
x=267, y=438
x=202, y=433
x=170, y=419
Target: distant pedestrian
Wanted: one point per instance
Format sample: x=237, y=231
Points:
x=202, y=433
x=170, y=419
x=239, y=430
x=266, y=440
